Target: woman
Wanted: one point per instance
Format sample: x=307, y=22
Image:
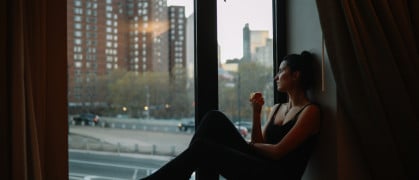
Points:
x=280, y=151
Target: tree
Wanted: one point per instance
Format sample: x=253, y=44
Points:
x=250, y=77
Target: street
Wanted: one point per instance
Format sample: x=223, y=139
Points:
x=104, y=153
x=101, y=166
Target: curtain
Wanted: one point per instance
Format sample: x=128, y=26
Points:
x=33, y=142
x=373, y=49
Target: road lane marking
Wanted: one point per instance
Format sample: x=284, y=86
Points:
x=90, y=177
x=109, y=164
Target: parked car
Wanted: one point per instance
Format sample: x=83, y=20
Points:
x=87, y=119
x=242, y=130
x=248, y=125
x=186, y=125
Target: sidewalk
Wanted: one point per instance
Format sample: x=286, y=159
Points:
x=135, y=138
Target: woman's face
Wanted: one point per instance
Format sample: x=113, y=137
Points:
x=285, y=79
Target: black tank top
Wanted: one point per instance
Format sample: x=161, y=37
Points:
x=294, y=162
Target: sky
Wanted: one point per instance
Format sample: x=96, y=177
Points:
x=232, y=16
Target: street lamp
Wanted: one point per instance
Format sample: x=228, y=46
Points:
x=146, y=109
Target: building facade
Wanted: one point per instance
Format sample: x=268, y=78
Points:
x=257, y=45
x=132, y=35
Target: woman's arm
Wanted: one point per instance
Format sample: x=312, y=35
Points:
x=308, y=123
x=257, y=104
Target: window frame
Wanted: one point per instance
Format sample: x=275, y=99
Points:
x=205, y=72
x=206, y=60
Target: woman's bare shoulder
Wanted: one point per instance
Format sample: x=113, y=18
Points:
x=310, y=116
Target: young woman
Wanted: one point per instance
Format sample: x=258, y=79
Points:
x=280, y=150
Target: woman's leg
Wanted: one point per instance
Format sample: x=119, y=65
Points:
x=206, y=154
x=179, y=168
x=216, y=126
x=229, y=162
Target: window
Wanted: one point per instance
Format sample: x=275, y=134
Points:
x=78, y=11
x=77, y=3
x=77, y=18
x=93, y=87
x=138, y=103
x=242, y=71
x=109, y=30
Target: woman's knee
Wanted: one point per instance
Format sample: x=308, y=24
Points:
x=214, y=114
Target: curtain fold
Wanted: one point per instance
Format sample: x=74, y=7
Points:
x=373, y=49
x=24, y=91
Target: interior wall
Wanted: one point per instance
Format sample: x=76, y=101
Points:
x=304, y=33
x=337, y=155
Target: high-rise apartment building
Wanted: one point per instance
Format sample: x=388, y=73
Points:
x=148, y=35
x=177, y=45
x=95, y=45
x=104, y=35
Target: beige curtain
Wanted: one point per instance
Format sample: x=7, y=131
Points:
x=33, y=111
x=373, y=47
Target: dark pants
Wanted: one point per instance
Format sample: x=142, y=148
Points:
x=217, y=146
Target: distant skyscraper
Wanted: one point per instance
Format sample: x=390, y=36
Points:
x=247, y=56
x=256, y=45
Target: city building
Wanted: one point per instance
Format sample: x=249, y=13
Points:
x=257, y=46
x=177, y=46
x=133, y=35
x=95, y=45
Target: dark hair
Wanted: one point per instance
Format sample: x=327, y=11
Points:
x=304, y=63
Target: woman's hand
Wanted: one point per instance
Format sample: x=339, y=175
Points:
x=257, y=101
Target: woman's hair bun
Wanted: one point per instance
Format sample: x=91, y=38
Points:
x=302, y=62
x=307, y=56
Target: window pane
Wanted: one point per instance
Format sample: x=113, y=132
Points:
x=246, y=58
x=130, y=86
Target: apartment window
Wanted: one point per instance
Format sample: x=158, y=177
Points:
x=77, y=3
x=88, y=4
x=78, y=11
x=90, y=20
x=77, y=64
x=88, y=12
x=77, y=49
x=109, y=22
x=77, y=34
x=77, y=41
x=77, y=18
x=90, y=27
x=91, y=35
